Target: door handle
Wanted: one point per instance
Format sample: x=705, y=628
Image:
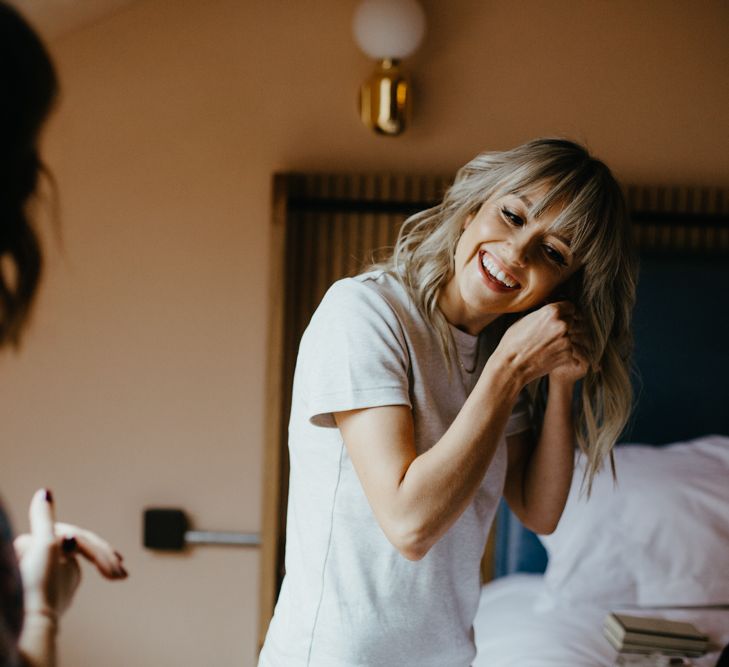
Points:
x=168, y=529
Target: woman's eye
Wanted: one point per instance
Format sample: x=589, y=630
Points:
x=555, y=255
x=512, y=217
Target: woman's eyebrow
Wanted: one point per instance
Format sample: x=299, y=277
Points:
x=561, y=238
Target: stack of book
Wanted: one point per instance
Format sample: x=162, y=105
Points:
x=641, y=634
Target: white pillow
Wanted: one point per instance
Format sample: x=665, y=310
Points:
x=660, y=537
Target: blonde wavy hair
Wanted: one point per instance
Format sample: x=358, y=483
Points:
x=594, y=216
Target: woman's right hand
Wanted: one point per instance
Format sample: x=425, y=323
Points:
x=541, y=341
x=47, y=559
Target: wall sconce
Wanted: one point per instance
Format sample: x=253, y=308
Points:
x=387, y=30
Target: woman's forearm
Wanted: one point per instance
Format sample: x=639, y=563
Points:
x=37, y=642
x=548, y=472
x=439, y=484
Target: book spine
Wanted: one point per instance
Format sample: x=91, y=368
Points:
x=648, y=643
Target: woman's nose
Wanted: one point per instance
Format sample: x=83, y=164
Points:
x=517, y=252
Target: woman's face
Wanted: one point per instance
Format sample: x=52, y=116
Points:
x=506, y=261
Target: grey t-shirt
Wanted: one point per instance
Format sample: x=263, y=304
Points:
x=349, y=598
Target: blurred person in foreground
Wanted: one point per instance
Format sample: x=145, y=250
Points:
x=39, y=571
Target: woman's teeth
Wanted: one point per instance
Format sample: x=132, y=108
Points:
x=496, y=272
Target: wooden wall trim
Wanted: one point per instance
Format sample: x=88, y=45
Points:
x=270, y=529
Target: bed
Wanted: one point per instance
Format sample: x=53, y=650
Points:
x=658, y=544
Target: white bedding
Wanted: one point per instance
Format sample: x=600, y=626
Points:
x=519, y=625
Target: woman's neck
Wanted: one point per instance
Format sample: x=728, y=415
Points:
x=456, y=311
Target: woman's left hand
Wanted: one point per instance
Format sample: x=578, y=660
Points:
x=578, y=365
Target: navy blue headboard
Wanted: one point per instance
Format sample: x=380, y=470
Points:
x=681, y=327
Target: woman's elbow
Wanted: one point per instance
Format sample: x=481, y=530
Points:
x=543, y=525
x=546, y=530
x=410, y=542
x=413, y=552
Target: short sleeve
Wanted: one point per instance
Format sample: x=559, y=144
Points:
x=520, y=418
x=352, y=355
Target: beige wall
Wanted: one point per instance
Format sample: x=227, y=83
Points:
x=141, y=381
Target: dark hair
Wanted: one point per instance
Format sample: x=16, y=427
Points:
x=28, y=89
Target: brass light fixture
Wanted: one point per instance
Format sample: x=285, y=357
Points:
x=387, y=31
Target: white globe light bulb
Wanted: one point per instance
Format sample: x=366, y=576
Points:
x=388, y=29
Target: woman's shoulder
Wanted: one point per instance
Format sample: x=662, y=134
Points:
x=369, y=303
x=377, y=288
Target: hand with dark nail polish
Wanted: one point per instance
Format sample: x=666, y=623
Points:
x=68, y=545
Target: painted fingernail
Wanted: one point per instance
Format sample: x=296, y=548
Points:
x=123, y=572
x=118, y=555
x=68, y=545
x=49, y=496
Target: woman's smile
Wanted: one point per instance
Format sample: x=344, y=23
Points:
x=496, y=276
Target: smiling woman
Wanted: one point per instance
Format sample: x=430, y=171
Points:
x=410, y=412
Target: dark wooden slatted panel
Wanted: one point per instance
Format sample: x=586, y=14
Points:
x=680, y=220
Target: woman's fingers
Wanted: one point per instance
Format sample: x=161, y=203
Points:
x=94, y=549
x=67, y=580
x=582, y=345
x=73, y=540
x=565, y=308
x=21, y=544
x=555, y=335
x=42, y=517
x=580, y=356
x=579, y=340
x=39, y=556
x=579, y=334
